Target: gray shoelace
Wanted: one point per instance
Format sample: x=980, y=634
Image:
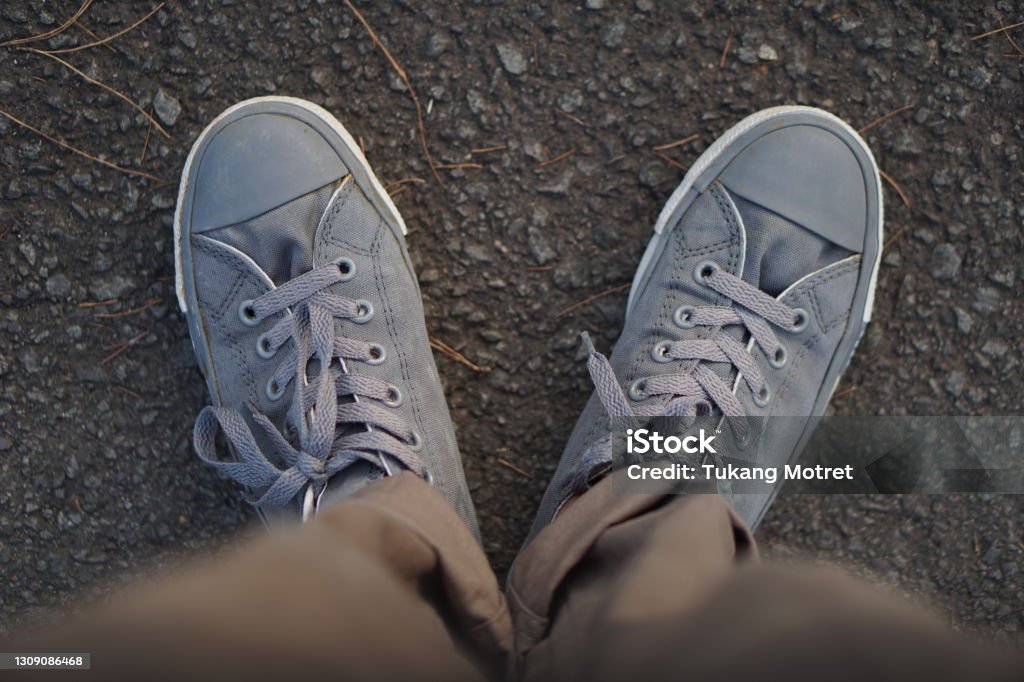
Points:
x=697, y=389
x=307, y=332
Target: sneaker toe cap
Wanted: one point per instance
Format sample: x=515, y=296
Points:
x=816, y=176
x=256, y=163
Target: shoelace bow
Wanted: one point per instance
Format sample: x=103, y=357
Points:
x=314, y=412
x=697, y=389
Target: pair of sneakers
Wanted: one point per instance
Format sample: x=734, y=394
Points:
x=306, y=320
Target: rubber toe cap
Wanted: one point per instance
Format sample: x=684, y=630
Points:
x=256, y=163
x=810, y=175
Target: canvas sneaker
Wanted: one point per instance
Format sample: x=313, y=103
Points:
x=305, y=315
x=748, y=302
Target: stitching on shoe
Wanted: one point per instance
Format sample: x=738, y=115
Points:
x=802, y=353
x=328, y=236
x=392, y=331
x=226, y=259
x=710, y=248
x=813, y=298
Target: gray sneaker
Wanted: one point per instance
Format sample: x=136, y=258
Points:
x=305, y=314
x=749, y=300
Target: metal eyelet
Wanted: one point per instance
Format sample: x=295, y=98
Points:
x=801, y=322
x=704, y=270
x=636, y=390
x=762, y=397
x=347, y=268
x=683, y=315
x=429, y=477
x=394, y=398
x=660, y=352
x=365, y=312
x=263, y=347
x=416, y=444
x=377, y=354
x=274, y=389
x=778, y=358
x=247, y=314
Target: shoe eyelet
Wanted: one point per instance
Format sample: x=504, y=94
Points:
x=636, y=390
x=274, y=390
x=429, y=478
x=416, y=443
x=704, y=270
x=660, y=352
x=801, y=322
x=762, y=397
x=247, y=314
x=778, y=358
x=347, y=268
x=683, y=315
x=394, y=398
x=377, y=354
x=263, y=347
x=365, y=312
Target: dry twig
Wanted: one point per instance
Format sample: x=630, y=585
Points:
x=116, y=93
x=129, y=391
x=52, y=32
x=403, y=181
x=845, y=392
x=408, y=86
x=485, y=150
x=76, y=150
x=445, y=349
x=998, y=30
x=84, y=29
x=1013, y=43
x=522, y=472
x=895, y=186
x=574, y=119
x=670, y=161
x=591, y=299
x=725, y=51
x=885, y=117
x=456, y=166
x=677, y=143
x=111, y=37
x=119, y=348
x=892, y=239
x=561, y=157
x=145, y=145
x=124, y=313
x=97, y=304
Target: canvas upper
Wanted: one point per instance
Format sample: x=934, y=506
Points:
x=305, y=315
x=748, y=302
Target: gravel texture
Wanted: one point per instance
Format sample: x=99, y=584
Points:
x=97, y=401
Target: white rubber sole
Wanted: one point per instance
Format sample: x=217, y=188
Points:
x=366, y=172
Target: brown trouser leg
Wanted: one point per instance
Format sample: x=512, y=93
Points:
x=370, y=591
x=389, y=585
x=646, y=587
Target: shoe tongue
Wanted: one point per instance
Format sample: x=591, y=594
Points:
x=281, y=241
x=780, y=252
x=348, y=226
x=347, y=482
